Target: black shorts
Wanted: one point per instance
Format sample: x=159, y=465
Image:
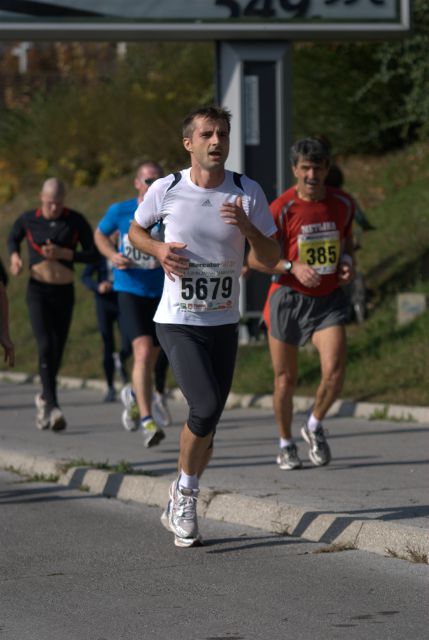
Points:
x=136, y=316
x=202, y=360
x=294, y=317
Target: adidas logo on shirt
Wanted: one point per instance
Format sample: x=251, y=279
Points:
x=206, y=203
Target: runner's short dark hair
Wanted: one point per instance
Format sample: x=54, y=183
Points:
x=310, y=149
x=212, y=112
x=152, y=164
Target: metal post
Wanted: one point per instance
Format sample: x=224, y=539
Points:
x=254, y=82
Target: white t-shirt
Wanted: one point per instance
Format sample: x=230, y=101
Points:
x=208, y=293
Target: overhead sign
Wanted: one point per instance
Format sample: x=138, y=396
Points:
x=202, y=19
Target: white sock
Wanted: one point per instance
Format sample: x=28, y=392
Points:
x=313, y=423
x=286, y=442
x=188, y=482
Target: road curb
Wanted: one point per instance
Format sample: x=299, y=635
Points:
x=341, y=408
x=31, y=465
x=343, y=531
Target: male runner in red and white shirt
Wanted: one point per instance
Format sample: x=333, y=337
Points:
x=305, y=299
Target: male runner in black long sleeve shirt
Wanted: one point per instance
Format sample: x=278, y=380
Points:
x=57, y=237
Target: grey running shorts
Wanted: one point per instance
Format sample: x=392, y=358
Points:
x=294, y=317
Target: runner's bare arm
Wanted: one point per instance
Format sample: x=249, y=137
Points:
x=15, y=264
x=108, y=249
x=304, y=273
x=165, y=252
x=52, y=251
x=346, y=268
x=264, y=249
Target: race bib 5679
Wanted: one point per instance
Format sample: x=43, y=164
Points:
x=207, y=287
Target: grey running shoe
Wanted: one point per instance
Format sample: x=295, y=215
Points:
x=319, y=452
x=288, y=457
x=152, y=434
x=42, y=413
x=130, y=415
x=160, y=410
x=180, y=516
x=57, y=422
x=110, y=395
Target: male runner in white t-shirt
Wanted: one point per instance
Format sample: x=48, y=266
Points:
x=208, y=214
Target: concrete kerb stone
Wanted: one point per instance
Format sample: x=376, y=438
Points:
x=31, y=465
x=16, y=377
x=71, y=383
x=302, y=404
x=374, y=536
x=387, y=538
x=383, y=538
x=341, y=408
x=97, y=385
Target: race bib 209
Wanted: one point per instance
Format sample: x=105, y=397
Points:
x=139, y=259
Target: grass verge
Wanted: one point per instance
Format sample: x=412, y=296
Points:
x=122, y=466
x=386, y=363
x=412, y=555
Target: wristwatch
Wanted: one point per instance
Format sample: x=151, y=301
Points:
x=287, y=265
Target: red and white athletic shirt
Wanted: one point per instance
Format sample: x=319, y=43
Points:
x=314, y=233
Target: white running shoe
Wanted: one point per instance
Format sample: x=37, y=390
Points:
x=180, y=516
x=42, y=413
x=160, y=410
x=57, y=422
x=288, y=458
x=130, y=415
x=319, y=451
x=152, y=434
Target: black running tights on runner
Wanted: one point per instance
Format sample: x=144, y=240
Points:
x=107, y=317
x=50, y=307
x=161, y=367
x=202, y=360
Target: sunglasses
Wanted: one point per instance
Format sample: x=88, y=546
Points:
x=149, y=181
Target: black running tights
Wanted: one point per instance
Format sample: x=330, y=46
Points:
x=50, y=308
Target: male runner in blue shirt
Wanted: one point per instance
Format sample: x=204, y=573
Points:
x=138, y=279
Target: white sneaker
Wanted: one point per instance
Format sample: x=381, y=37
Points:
x=130, y=415
x=180, y=516
x=160, y=410
x=152, y=434
x=288, y=458
x=319, y=451
x=42, y=413
x=57, y=422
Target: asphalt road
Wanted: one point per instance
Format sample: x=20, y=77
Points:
x=75, y=566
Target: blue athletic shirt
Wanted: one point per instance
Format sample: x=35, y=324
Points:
x=146, y=278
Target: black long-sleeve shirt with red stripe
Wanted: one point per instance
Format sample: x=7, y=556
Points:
x=69, y=230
